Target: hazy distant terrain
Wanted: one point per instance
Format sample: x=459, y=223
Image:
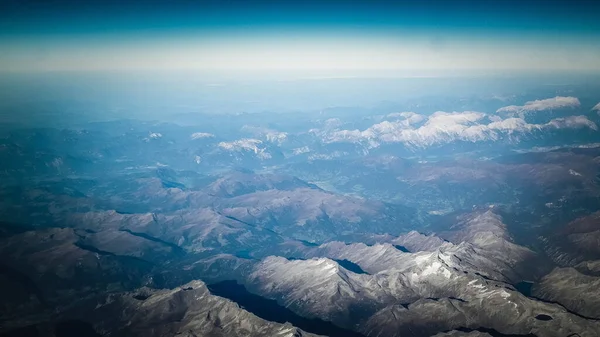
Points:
x=419, y=207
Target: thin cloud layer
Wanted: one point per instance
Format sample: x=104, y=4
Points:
x=596, y=107
x=445, y=127
x=558, y=102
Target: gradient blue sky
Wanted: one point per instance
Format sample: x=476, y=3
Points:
x=299, y=35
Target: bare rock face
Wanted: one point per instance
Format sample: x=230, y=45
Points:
x=439, y=291
x=455, y=333
x=239, y=183
x=576, y=242
x=575, y=248
x=416, y=242
x=191, y=231
x=188, y=310
x=576, y=291
x=589, y=267
x=58, y=264
x=464, y=285
x=317, y=288
x=309, y=214
x=482, y=246
x=526, y=316
x=487, y=234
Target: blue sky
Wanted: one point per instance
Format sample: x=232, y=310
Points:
x=298, y=35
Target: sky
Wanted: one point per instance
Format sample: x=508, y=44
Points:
x=324, y=36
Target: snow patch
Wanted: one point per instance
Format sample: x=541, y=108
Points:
x=574, y=173
x=246, y=145
x=301, y=150
x=200, y=135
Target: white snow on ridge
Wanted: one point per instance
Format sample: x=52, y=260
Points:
x=200, y=135
x=444, y=127
x=301, y=150
x=270, y=135
x=246, y=144
x=276, y=137
x=153, y=135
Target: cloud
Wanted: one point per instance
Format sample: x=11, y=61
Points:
x=444, y=127
x=596, y=107
x=200, y=135
x=558, y=102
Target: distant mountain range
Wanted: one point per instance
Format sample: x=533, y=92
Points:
x=404, y=224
